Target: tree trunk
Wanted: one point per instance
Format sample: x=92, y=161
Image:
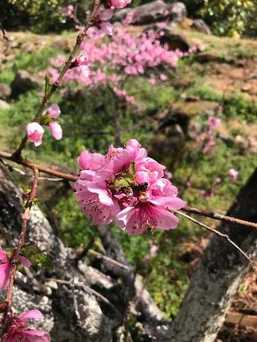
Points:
x=217, y=278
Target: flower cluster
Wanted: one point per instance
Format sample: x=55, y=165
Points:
x=111, y=61
x=128, y=187
x=18, y=329
x=35, y=130
x=6, y=266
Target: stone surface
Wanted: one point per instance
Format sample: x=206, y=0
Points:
x=5, y=91
x=4, y=105
x=152, y=12
x=22, y=83
x=201, y=26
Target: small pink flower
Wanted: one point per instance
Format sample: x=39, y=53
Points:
x=233, y=174
x=5, y=268
x=35, y=133
x=213, y=122
x=119, y=3
x=163, y=77
x=53, y=111
x=18, y=329
x=55, y=130
x=68, y=11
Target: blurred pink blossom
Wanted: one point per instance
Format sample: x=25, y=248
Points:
x=233, y=174
x=6, y=266
x=55, y=130
x=18, y=328
x=53, y=111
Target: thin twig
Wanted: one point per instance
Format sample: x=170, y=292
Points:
x=224, y=236
x=31, y=165
x=220, y=217
x=49, y=93
x=14, y=260
x=72, y=177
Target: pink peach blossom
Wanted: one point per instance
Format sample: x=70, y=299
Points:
x=119, y=3
x=6, y=266
x=18, y=329
x=55, y=130
x=128, y=187
x=35, y=133
x=53, y=111
x=213, y=122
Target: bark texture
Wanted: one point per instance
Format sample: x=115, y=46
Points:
x=216, y=280
x=79, y=302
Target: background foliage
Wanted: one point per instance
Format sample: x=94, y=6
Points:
x=225, y=17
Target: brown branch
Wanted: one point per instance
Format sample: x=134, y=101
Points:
x=49, y=93
x=219, y=217
x=14, y=260
x=31, y=165
x=224, y=236
x=72, y=177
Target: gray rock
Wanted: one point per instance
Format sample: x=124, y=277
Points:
x=4, y=105
x=22, y=83
x=152, y=12
x=5, y=91
x=178, y=11
x=201, y=26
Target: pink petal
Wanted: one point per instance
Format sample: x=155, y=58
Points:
x=33, y=335
x=90, y=161
x=31, y=314
x=169, y=202
x=3, y=257
x=55, y=130
x=54, y=111
x=164, y=219
x=4, y=275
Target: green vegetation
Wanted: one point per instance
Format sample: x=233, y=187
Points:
x=88, y=119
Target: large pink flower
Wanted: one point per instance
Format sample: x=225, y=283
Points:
x=128, y=187
x=19, y=330
x=6, y=266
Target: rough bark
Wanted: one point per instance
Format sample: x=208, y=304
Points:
x=79, y=302
x=216, y=280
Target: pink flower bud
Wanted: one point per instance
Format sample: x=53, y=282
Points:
x=119, y=3
x=35, y=133
x=55, y=130
x=54, y=111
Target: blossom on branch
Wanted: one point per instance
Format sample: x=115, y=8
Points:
x=6, y=266
x=127, y=187
x=35, y=133
x=119, y=3
x=55, y=130
x=18, y=329
x=53, y=111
